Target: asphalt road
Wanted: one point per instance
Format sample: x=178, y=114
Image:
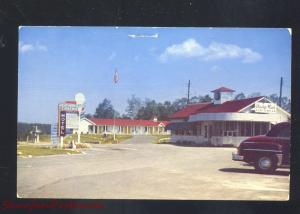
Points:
x=139, y=169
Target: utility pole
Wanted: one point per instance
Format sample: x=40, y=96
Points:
x=189, y=87
x=280, y=93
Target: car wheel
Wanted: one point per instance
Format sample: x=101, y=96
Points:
x=265, y=164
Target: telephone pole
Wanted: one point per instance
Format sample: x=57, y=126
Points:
x=280, y=93
x=189, y=87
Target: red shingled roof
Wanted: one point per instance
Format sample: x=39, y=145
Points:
x=230, y=106
x=70, y=102
x=223, y=89
x=126, y=122
x=188, y=110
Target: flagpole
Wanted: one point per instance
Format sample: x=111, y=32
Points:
x=114, y=127
x=116, y=77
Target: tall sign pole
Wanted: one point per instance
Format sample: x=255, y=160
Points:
x=80, y=99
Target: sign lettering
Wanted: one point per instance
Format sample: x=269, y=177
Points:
x=265, y=107
x=62, y=131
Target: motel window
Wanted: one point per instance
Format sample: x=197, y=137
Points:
x=198, y=130
x=286, y=132
x=242, y=126
x=256, y=129
x=194, y=130
x=264, y=128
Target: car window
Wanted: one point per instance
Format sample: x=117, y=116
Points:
x=285, y=132
x=280, y=130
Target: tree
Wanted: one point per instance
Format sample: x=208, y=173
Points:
x=148, y=110
x=178, y=104
x=285, y=101
x=204, y=99
x=194, y=99
x=124, y=116
x=88, y=116
x=255, y=94
x=105, y=110
x=240, y=96
x=134, y=104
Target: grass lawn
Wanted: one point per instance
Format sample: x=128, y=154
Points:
x=161, y=137
x=25, y=150
x=85, y=138
x=45, y=138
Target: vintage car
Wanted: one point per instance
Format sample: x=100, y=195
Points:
x=267, y=152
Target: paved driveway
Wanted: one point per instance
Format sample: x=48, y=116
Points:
x=138, y=169
x=139, y=139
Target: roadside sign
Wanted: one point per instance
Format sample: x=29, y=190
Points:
x=62, y=123
x=69, y=107
x=54, y=133
x=72, y=120
x=69, y=131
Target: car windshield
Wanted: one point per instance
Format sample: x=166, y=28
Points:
x=280, y=130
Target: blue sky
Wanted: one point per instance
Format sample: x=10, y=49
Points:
x=57, y=62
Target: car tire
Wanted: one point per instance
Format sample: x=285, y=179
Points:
x=266, y=164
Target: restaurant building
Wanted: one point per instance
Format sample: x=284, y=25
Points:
x=225, y=121
x=123, y=126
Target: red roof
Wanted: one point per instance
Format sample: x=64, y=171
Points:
x=188, y=110
x=229, y=106
x=70, y=102
x=126, y=122
x=223, y=89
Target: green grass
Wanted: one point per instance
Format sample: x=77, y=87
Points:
x=85, y=138
x=25, y=150
x=159, y=137
x=45, y=138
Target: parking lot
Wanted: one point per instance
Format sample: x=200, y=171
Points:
x=139, y=169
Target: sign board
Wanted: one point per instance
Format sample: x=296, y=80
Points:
x=69, y=131
x=265, y=107
x=80, y=98
x=72, y=120
x=70, y=112
x=54, y=133
x=69, y=107
x=62, y=123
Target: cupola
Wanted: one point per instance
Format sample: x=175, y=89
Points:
x=222, y=95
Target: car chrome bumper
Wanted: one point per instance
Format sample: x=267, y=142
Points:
x=237, y=157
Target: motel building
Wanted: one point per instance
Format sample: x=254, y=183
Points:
x=225, y=121
x=123, y=126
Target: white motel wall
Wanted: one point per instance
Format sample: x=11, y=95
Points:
x=151, y=128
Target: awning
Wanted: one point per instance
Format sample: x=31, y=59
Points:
x=180, y=126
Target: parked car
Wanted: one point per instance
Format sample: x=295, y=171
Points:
x=267, y=152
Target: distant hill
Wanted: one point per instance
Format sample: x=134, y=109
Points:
x=24, y=129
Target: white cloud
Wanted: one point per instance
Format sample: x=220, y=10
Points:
x=216, y=68
x=134, y=36
x=192, y=49
x=27, y=47
x=112, y=56
x=41, y=47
